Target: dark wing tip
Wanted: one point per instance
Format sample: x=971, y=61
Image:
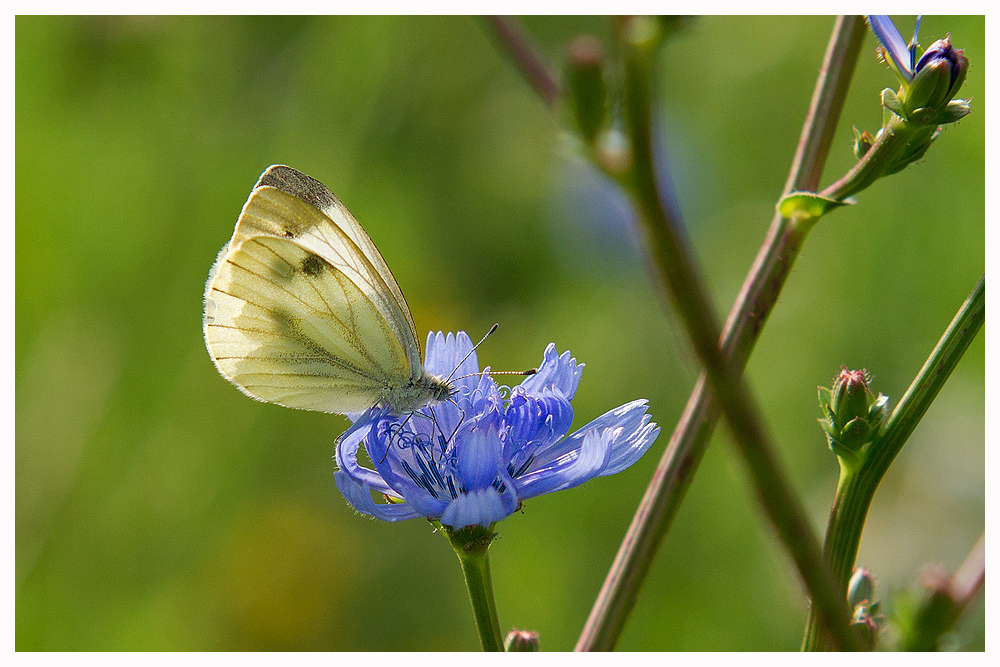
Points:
x=297, y=184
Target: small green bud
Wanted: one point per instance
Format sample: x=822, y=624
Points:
x=939, y=75
x=928, y=88
x=522, y=641
x=585, y=75
x=853, y=416
x=850, y=395
x=862, y=142
x=641, y=31
x=865, y=619
x=861, y=588
x=614, y=152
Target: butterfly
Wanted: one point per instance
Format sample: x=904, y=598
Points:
x=301, y=310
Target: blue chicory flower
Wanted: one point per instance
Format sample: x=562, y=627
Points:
x=473, y=459
x=929, y=84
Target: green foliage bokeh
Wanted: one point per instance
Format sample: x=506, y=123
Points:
x=159, y=508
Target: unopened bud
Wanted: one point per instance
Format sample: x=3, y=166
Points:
x=586, y=84
x=521, y=641
x=853, y=416
x=861, y=588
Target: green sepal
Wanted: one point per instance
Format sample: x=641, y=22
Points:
x=848, y=457
x=924, y=116
x=825, y=397
x=915, y=150
x=955, y=110
x=878, y=414
x=828, y=425
x=891, y=102
x=855, y=434
x=862, y=142
x=808, y=205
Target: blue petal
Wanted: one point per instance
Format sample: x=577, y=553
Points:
x=445, y=353
x=413, y=467
x=478, y=508
x=557, y=371
x=629, y=416
x=637, y=434
x=347, y=459
x=360, y=497
x=571, y=469
x=886, y=32
x=538, y=421
x=478, y=456
x=629, y=447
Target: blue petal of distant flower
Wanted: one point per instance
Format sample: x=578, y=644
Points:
x=886, y=32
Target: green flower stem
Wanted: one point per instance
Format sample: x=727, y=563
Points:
x=472, y=547
x=760, y=291
x=889, y=146
x=855, y=494
x=676, y=275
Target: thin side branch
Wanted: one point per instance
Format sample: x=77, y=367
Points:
x=524, y=52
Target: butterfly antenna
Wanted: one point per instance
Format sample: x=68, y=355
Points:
x=530, y=371
x=493, y=328
x=461, y=421
x=475, y=347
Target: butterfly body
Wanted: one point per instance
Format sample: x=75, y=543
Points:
x=301, y=310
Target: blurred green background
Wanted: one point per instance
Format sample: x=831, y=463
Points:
x=159, y=508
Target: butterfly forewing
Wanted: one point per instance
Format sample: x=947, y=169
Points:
x=315, y=193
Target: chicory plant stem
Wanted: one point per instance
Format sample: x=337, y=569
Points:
x=472, y=545
x=760, y=291
x=677, y=275
x=856, y=490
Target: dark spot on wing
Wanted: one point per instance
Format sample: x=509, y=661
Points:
x=313, y=265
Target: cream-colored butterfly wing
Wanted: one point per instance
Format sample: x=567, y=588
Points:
x=313, y=192
x=297, y=313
